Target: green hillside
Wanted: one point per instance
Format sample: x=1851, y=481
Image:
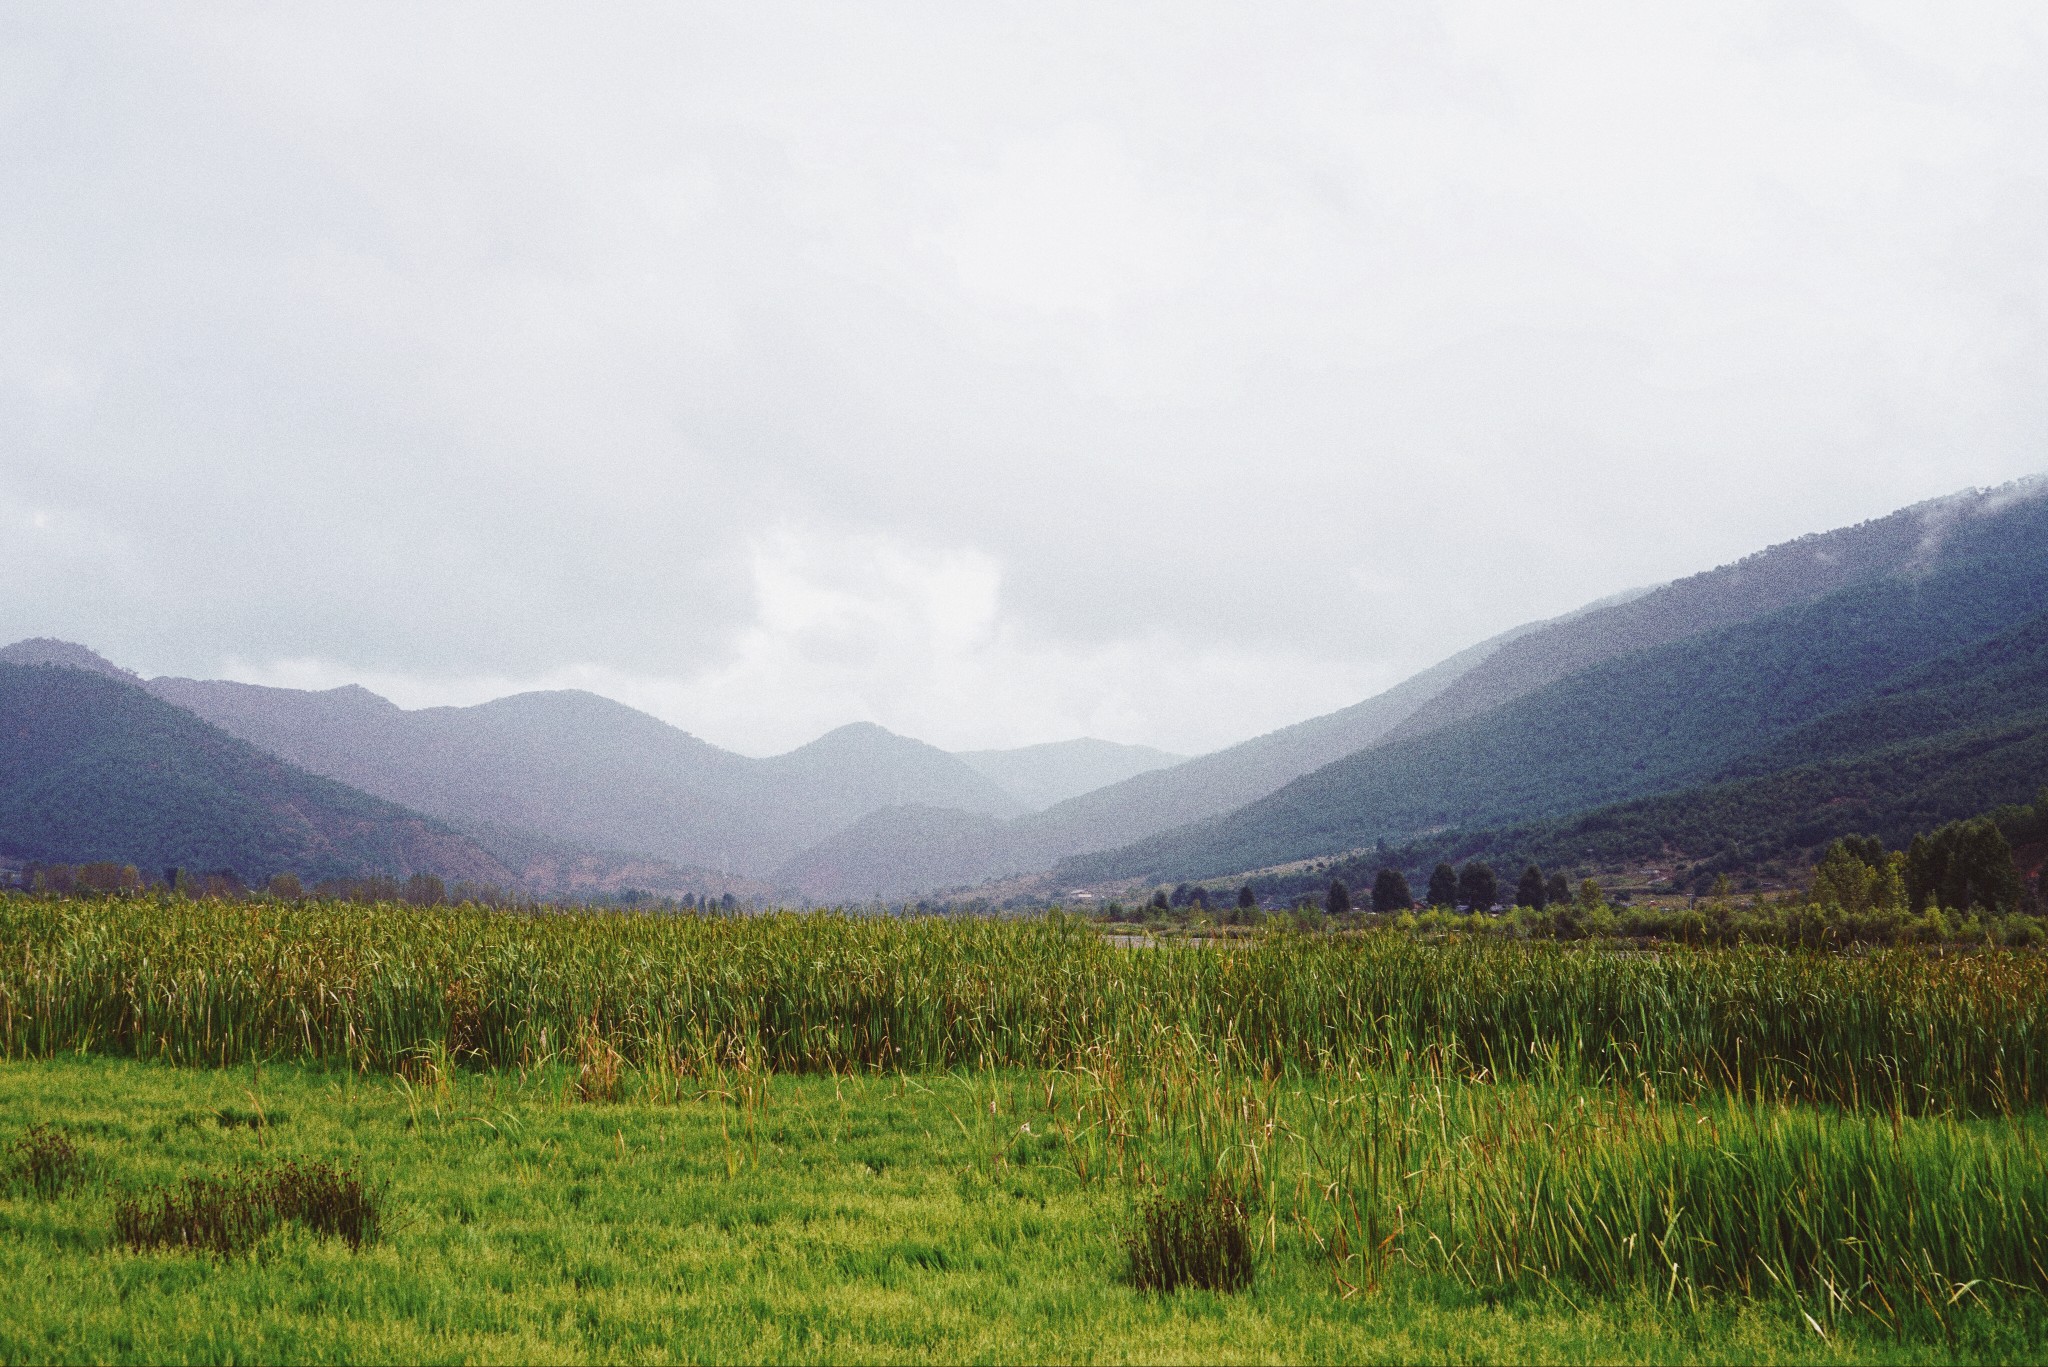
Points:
x=1952, y=739
x=1726, y=827
x=94, y=768
x=1658, y=721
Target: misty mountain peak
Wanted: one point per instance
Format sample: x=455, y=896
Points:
x=357, y=696
x=857, y=738
x=47, y=650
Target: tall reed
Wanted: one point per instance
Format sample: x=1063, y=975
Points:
x=217, y=982
x=1543, y=1182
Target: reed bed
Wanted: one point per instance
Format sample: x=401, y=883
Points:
x=1861, y=1135
x=1510, y=1187
x=220, y=982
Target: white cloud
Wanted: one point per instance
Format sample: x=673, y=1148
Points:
x=1166, y=373
x=861, y=627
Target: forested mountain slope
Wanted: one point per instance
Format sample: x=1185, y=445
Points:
x=94, y=768
x=1473, y=683
x=1945, y=741
x=1779, y=577
x=44, y=650
x=1653, y=721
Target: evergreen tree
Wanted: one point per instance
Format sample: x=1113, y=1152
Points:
x=1477, y=887
x=1390, y=891
x=1558, y=889
x=1532, y=891
x=1443, y=886
x=1246, y=898
x=1339, y=899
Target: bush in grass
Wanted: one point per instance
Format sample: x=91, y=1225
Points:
x=1200, y=1238
x=44, y=1160
x=225, y=1215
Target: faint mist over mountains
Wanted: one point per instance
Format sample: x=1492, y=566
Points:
x=43, y=650
x=574, y=767
x=1780, y=640
x=1637, y=694
x=1041, y=775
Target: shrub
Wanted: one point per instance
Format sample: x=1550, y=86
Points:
x=2024, y=932
x=232, y=1117
x=1201, y=1238
x=225, y=1215
x=45, y=1160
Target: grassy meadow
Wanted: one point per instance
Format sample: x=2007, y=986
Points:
x=824, y=1137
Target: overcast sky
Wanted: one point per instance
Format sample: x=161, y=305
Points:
x=999, y=374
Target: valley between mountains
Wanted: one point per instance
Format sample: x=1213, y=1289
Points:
x=1873, y=678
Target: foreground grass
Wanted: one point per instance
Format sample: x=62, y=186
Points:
x=793, y=1218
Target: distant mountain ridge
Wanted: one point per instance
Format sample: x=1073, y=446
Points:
x=578, y=768
x=904, y=850
x=1654, y=720
x=1950, y=739
x=94, y=768
x=45, y=650
x=1631, y=697
x=1041, y=775
x=1127, y=829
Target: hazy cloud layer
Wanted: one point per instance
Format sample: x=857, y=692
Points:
x=997, y=374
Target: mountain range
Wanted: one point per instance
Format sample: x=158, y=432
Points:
x=94, y=769
x=1696, y=720
x=1927, y=646
x=566, y=791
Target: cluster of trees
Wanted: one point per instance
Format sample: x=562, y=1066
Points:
x=107, y=877
x=1962, y=866
x=104, y=877
x=1190, y=900
x=1474, y=887
x=420, y=889
x=101, y=876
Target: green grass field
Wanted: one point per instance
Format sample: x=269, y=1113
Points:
x=830, y=1138
x=831, y=1219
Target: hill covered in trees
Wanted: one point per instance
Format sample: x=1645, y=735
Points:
x=1761, y=698
x=1228, y=800
x=93, y=768
x=1964, y=734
